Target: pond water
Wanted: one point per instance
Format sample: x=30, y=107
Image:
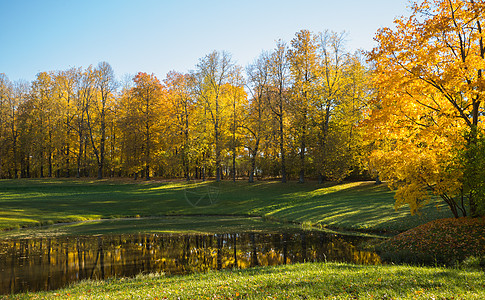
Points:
x=51, y=263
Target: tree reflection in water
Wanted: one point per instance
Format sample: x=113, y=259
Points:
x=50, y=263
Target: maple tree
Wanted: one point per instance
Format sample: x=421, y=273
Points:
x=428, y=76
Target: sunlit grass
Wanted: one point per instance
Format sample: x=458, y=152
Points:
x=354, y=205
x=170, y=224
x=299, y=281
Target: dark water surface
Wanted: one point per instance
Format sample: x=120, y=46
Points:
x=51, y=263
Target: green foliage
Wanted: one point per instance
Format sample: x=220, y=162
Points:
x=473, y=161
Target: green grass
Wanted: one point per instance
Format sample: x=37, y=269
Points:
x=300, y=281
x=355, y=205
x=211, y=207
x=169, y=224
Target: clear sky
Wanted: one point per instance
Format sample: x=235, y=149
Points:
x=157, y=36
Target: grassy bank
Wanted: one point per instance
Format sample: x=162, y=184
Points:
x=169, y=224
x=300, y=281
x=444, y=241
x=355, y=205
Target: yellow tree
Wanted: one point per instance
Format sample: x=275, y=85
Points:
x=278, y=100
x=180, y=106
x=98, y=110
x=235, y=97
x=303, y=65
x=6, y=96
x=327, y=106
x=66, y=89
x=43, y=116
x=140, y=122
x=86, y=92
x=20, y=94
x=350, y=113
x=428, y=76
x=258, y=111
x=213, y=72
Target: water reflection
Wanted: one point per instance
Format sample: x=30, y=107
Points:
x=50, y=263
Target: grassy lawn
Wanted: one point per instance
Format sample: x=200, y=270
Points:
x=121, y=206
x=169, y=224
x=299, y=281
x=354, y=205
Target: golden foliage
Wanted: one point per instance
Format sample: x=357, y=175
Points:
x=429, y=89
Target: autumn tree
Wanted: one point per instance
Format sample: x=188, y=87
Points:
x=20, y=94
x=6, y=96
x=428, y=74
x=332, y=60
x=44, y=117
x=140, y=122
x=213, y=72
x=258, y=112
x=302, y=57
x=278, y=102
x=236, y=98
x=180, y=110
x=85, y=97
x=347, y=155
x=97, y=110
x=66, y=87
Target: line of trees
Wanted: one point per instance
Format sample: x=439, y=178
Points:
x=291, y=114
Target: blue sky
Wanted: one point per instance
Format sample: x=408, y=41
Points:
x=159, y=36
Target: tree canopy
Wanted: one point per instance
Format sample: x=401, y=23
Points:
x=429, y=102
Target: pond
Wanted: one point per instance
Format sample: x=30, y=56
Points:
x=50, y=263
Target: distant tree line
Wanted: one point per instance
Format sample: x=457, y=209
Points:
x=291, y=114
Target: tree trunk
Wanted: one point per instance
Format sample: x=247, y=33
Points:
x=302, y=158
x=218, y=154
x=101, y=147
x=282, y=151
x=253, y=167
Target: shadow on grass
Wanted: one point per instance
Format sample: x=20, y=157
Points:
x=354, y=205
